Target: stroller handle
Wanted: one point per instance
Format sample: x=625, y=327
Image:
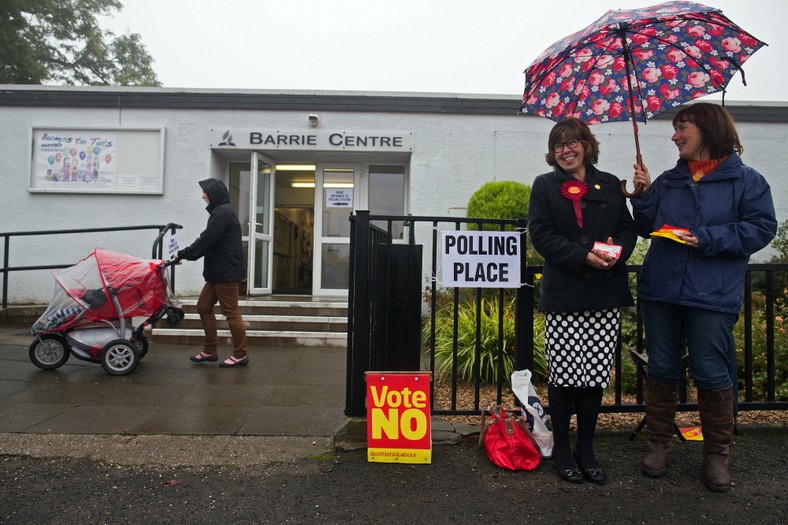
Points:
x=165, y=264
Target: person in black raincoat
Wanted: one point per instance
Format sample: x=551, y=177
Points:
x=575, y=214
x=223, y=269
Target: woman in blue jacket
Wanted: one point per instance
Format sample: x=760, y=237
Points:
x=571, y=209
x=691, y=286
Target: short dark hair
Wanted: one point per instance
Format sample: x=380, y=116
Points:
x=569, y=129
x=720, y=137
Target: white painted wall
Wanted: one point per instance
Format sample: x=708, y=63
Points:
x=453, y=156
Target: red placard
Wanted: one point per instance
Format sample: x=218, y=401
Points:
x=398, y=417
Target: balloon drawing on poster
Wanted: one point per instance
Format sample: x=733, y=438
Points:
x=70, y=159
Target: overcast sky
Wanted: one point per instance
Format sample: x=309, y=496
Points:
x=428, y=46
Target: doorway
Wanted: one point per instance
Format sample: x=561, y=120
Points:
x=294, y=224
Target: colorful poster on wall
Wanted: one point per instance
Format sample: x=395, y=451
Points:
x=71, y=158
x=77, y=160
x=398, y=417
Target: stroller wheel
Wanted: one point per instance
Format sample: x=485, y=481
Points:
x=119, y=357
x=50, y=352
x=141, y=344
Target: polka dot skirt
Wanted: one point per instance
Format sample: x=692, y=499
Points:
x=580, y=347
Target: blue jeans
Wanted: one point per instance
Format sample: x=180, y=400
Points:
x=708, y=337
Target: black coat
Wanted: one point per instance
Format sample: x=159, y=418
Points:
x=568, y=285
x=220, y=243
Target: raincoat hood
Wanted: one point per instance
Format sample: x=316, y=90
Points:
x=217, y=193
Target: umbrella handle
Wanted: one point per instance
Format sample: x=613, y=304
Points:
x=638, y=188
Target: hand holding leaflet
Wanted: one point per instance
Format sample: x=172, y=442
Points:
x=672, y=232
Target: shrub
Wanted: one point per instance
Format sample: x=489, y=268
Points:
x=500, y=200
x=466, y=340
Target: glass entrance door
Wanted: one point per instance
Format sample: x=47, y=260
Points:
x=261, y=206
x=336, y=196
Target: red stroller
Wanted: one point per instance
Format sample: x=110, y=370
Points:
x=92, y=310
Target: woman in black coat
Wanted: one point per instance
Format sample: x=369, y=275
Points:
x=579, y=222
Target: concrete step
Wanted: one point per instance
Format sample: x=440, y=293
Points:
x=299, y=322
x=194, y=337
x=311, y=323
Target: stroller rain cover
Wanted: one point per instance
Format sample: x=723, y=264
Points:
x=83, y=292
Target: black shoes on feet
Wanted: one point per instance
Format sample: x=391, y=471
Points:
x=595, y=474
x=572, y=475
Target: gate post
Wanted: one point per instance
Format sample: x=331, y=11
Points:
x=358, y=313
x=524, y=308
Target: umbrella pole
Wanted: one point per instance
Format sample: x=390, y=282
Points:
x=638, y=158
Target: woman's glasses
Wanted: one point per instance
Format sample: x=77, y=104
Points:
x=571, y=144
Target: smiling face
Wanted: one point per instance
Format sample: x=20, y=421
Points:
x=570, y=156
x=689, y=139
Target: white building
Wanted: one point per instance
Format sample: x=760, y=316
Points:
x=138, y=154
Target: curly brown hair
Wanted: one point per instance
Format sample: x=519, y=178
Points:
x=569, y=129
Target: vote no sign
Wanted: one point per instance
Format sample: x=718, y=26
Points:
x=480, y=259
x=398, y=417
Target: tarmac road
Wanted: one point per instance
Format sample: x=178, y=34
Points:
x=341, y=487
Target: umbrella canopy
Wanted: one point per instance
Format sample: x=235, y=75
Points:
x=634, y=64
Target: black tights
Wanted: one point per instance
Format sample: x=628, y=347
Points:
x=586, y=401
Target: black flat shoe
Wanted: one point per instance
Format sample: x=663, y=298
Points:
x=594, y=475
x=572, y=475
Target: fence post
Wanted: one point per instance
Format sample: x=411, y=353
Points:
x=524, y=308
x=358, y=313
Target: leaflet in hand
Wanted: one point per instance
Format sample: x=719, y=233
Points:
x=671, y=232
x=614, y=250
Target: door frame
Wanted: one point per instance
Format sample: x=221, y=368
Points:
x=258, y=158
x=319, y=240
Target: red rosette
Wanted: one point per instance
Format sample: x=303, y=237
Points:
x=574, y=190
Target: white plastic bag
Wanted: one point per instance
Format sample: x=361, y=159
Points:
x=535, y=415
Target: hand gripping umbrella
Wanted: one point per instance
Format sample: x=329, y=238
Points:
x=634, y=64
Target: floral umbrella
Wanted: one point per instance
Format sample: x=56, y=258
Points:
x=650, y=59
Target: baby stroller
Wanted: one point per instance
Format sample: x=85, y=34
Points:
x=92, y=310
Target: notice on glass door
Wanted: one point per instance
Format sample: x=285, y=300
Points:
x=339, y=198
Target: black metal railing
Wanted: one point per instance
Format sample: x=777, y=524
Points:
x=767, y=282
x=7, y=269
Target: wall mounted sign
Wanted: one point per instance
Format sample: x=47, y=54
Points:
x=313, y=140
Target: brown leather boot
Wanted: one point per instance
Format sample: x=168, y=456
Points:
x=661, y=400
x=716, y=418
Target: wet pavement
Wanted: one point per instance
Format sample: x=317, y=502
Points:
x=286, y=397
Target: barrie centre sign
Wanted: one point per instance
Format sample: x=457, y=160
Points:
x=318, y=140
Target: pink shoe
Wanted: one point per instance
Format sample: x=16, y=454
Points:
x=234, y=361
x=202, y=357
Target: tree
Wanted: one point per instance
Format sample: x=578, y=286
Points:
x=60, y=41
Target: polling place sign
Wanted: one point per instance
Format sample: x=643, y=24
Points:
x=480, y=259
x=398, y=417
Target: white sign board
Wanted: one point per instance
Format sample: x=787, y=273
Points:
x=172, y=245
x=339, y=198
x=480, y=259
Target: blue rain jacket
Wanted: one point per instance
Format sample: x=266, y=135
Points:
x=731, y=213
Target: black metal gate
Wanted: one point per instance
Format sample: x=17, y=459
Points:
x=385, y=296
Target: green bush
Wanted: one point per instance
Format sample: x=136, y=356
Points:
x=759, y=365
x=780, y=244
x=466, y=340
x=500, y=200
x=503, y=200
